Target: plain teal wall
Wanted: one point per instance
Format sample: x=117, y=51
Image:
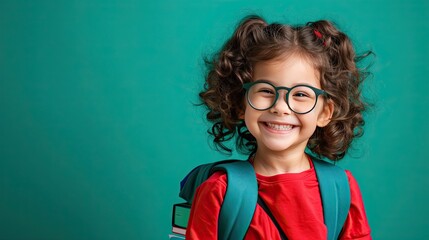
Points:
x=97, y=124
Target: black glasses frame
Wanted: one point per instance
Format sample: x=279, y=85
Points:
x=248, y=85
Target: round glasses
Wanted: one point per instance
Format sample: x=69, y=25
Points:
x=262, y=95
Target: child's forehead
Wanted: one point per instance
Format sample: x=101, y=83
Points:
x=286, y=60
x=292, y=62
x=293, y=68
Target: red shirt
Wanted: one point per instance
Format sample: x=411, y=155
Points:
x=293, y=198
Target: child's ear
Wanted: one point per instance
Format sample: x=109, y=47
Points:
x=242, y=110
x=326, y=114
x=241, y=115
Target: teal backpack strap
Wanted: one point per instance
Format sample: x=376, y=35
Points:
x=240, y=200
x=335, y=193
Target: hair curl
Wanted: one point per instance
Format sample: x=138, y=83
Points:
x=254, y=40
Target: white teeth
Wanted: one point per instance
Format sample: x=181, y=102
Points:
x=279, y=127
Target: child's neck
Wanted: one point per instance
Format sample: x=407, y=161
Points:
x=272, y=163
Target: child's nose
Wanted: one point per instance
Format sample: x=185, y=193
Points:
x=281, y=107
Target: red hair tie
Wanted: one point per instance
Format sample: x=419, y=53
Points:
x=319, y=36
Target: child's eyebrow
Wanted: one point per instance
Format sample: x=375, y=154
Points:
x=264, y=80
x=295, y=84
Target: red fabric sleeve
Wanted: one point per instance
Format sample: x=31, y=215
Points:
x=356, y=225
x=203, y=220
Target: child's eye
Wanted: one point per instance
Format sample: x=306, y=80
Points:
x=266, y=91
x=300, y=94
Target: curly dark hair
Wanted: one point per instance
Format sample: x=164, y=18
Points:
x=254, y=40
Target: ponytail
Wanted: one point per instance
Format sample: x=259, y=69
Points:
x=223, y=94
x=342, y=79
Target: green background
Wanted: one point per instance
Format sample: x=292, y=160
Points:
x=97, y=122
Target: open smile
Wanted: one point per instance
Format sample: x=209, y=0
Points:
x=278, y=127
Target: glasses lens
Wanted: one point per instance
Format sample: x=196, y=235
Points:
x=302, y=99
x=261, y=96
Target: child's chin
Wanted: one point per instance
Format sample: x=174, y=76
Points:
x=277, y=147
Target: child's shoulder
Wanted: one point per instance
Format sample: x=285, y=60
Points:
x=218, y=178
x=214, y=187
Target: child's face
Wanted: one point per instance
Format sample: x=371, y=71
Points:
x=279, y=129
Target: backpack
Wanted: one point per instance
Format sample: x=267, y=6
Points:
x=242, y=195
